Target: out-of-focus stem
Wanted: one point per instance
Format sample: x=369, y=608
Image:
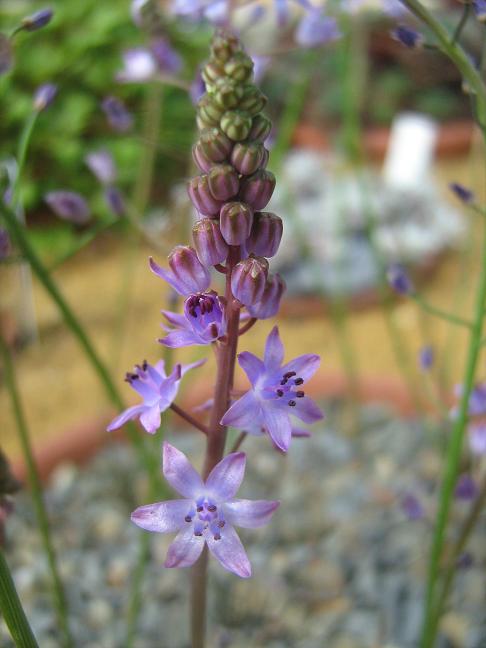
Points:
x=36, y=488
x=448, y=317
x=12, y=611
x=460, y=26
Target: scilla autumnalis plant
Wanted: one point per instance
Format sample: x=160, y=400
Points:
x=234, y=237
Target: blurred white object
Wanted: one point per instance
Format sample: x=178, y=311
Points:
x=410, y=151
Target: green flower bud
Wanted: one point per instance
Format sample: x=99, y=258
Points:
x=253, y=101
x=211, y=72
x=227, y=94
x=208, y=110
x=236, y=124
x=260, y=128
x=247, y=157
x=215, y=144
x=239, y=67
x=224, y=46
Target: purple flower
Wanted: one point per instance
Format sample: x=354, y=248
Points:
x=187, y=275
x=198, y=87
x=276, y=392
x=479, y=7
x=399, y=280
x=5, y=245
x=6, y=56
x=316, y=28
x=44, y=96
x=407, y=36
x=477, y=399
x=68, y=205
x=203, y=322
x=426, y=357
x=157, y=390
x=37, y=20
x=139, y=65
x=118, y=116
x=207, y=514
x=167, y=59
x=464, y=194
x=114, y=200
x=102, y=165
x=412, y=507
x=466, y=488
x=477, y=439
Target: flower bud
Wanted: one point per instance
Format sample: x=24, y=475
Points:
x=253, y=100
x=264, y=162
x=212, y=71
x=246, y=157
x=227, y=93
x=270, y=301
x=209, y=111
x=236, y=124
x=236, y=220
x=118, y=116
x=188, y=271
x=223, y=181
x=37, y=20
x=258, y=188
x=260, y=128
x=215, y=144
x=44, y=96
x=69, y=205
x=200, y=158
x=209, y=243
x=224, y=46
x=265, y=235
x=248, y=280
x=202, y=199
x=115, y=201
x=239, y=67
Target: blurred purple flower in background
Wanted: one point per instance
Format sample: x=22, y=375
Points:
x=167, y=59
x=6, y=55
x=44, y=96
x=139, y=65
x=203, y=322
x=412, y=507
x=115, y=201
x=426, y=357
x=409, y=37
x=399, y=280
x=316, y=28
x=207, y=514
x=118, y=116
x=69, y=205
x=5, y=245
x=198, y=87
x=157, y=390
x=466, y=488
x=477, y=438
x=479, y=7
x=102, y=165
x=276, y=392
x=37, y=20
x=464, y=194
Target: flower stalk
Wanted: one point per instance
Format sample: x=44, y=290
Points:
x=11, y=609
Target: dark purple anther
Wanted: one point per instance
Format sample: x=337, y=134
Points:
x=68, y=205
x=215, y=144
x=399, y=280
x=209, y=243
x=248, y=280
x=118, y=116
x=270, y=302
x=201, y=196
x=236, y=220
x=37, y=20
x=223, y=182
x=44, y=96
x=257, y=189
x=266, y=234
x=247, y=157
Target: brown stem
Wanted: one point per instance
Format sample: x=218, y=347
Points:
x=190, y=419
x=246, y=327
x=241, y=437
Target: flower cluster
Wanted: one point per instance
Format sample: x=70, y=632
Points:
x=232, y=235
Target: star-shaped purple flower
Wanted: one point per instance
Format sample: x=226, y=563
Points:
x=157, y=390
x=207, y=514
x=276, y=392
x=203, y=322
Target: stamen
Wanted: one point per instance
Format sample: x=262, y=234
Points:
x=199, y=509
x=217, y=536
x=221, y=523
x=284, y=381
x=299, y=381
x=212, y=508
x=279, y=393
x=292, y=403
x=188, y=518
x=198, y=533
x=289, y=374
x=300, y=394
x=144, y=365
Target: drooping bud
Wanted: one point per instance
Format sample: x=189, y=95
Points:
x=270, y=301
x=247, y=157
x=201, y=196
x=224, y=46
x=37, y=20
x=187, y=274
x=253, y=100
x=266, y=234
x=258, y=189
x=200, y=158
x=118, y=116
x=260, y=128
x=115, y=201
x=209, y=243
x=236, y=124
x=239, y=67
x=248, y=280
x=223, y=181
x=215, y=144
x=69, y=205
x=236, y=220
x=227, y=93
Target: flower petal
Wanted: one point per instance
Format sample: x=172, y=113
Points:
x=181, y=338
x=163, y=517
x=150, y=419
x=130, y=413
x=226, y=477
x=251, y=365
x=274, y=350
x=192, y=365
x=176, y=320
x=304, y=366
x=230, y=552
x=245, y=412
x=249, y=514
x=185, y=549
x=307, y=410
x=179, y=472
x=277, y=422
x=167, y=276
